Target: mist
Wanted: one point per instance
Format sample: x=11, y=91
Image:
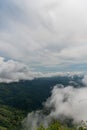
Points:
x=68, y=101
x=65, y=102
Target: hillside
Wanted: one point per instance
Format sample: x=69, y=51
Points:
x=29, y=95
x=19, y=98
x=10, y=118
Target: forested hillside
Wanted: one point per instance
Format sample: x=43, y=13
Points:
x=10, y=118
x=29, y=95
x=19, y=98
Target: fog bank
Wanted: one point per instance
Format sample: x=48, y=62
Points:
x=65, y=102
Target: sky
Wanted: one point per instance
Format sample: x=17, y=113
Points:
x=44, y=35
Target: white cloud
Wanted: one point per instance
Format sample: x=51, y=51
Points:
x=85, y=80
x=43, y=32
x=64, y=103
x=11, y=70
x=69, y=102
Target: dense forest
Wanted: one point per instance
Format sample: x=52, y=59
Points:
x=55, y=125
x=19, y=98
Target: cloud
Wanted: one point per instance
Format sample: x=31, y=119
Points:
x=85, y=80
x=69, y=102
x=44, y=33
x=35, y=119
x=64, y=103
x=11, y=70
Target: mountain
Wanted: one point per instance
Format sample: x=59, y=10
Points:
x=19, y=98
x=29, y=95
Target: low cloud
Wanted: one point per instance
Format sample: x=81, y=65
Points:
x=85, y=80
x=11, y=70
x=65, y=103
x=69, y=102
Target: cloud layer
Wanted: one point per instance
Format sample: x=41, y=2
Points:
x=11, y=70
x=64, y=103
x=69, y=102
x=45, y=34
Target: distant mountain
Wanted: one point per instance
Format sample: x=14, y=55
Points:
x=19, y=98
x=29, y=95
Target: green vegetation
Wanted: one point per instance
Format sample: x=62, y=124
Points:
x=58, y=126
x=3, y=128
x=19, y=98
x=29, y=95
x=10, y=118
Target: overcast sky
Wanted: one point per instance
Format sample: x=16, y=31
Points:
x=45, y=35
